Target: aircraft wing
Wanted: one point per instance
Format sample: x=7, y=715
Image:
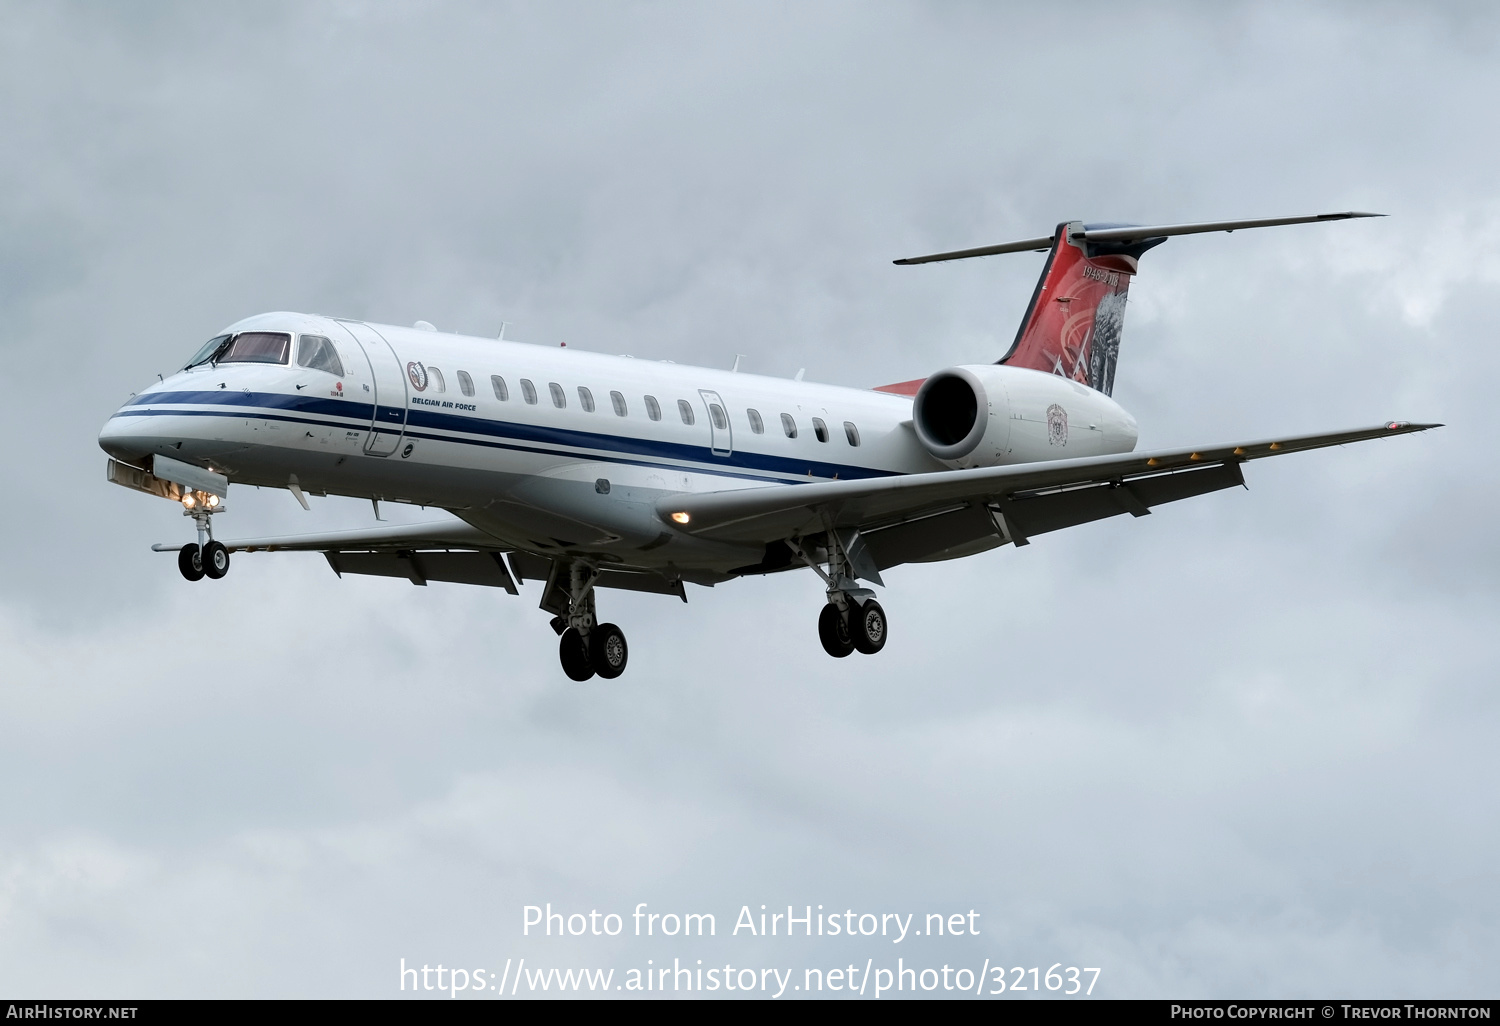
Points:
x=438, y=551
x=443, y=550
x=930, y=516
x=434, y=535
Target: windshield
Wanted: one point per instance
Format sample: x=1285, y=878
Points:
x=258, y=347
x=246, y=347
x=207, y=352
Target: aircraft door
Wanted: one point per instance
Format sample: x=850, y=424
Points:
x=388, y=392
x=720, y=438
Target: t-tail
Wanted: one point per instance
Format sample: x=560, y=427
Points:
x=1072, y=326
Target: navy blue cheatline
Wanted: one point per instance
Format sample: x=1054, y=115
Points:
x=496, y=434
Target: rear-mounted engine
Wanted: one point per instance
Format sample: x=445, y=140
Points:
x=986, y=415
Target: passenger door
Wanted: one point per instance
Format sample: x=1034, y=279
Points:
x=721, y=440
x=389, y=394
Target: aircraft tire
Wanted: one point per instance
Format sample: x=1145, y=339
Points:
x=608, y=651
x=215, y=560
x=833, y=632
x=190, y=562
x=867, y=627
x=573, y=650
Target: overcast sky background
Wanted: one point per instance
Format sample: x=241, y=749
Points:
x=1242, y=747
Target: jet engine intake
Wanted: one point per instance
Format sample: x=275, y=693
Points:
x=963, y=419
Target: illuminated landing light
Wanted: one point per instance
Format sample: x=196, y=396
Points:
x=188, y=501
x=213, y=502
x=681, y=518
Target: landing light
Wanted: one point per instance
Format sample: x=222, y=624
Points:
x=213, y=501
x=188, y=501
x=681, y=518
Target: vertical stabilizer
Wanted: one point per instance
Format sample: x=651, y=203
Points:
x=1072, y=327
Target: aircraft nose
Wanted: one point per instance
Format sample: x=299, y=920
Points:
x=126, y=438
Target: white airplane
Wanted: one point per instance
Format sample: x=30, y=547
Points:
x=586, y=471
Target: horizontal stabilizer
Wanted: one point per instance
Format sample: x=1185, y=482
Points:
x=1131, y=233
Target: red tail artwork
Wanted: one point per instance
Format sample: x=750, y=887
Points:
x=1072, y=327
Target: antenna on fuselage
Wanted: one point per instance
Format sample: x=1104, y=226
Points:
x=501, y=337
x=800, y=371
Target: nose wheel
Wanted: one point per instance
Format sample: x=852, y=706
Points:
x=190, y=562
x=206, y=557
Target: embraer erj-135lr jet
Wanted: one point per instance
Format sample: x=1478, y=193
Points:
x=585, y=471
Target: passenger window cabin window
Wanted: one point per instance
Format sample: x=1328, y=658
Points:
x=789, y=425
x=685, y=409
x=528, y=391
x=619, y=404
x=756, y=424
x=716, y=414
x=851, y=432
x=317, y=353
x=498, y=384
x=436, y=377
x=820, y=429
x=258, y=347
x=465, y=383
x=585, y=399
x=653, y=408
x=559, y=397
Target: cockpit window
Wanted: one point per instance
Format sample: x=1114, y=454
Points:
x=258, y=347
x=207, y=352
x=317, y=353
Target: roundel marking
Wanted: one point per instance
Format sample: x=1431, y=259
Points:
x=418, y=375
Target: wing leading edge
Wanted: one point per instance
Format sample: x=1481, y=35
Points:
x=919, y=516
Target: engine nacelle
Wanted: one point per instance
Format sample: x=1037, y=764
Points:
x=986, y=415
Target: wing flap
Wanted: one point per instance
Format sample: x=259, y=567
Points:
x=486, y=569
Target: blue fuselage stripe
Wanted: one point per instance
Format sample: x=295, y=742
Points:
x=498, y=434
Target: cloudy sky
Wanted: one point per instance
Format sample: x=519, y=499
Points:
x=1241, y=747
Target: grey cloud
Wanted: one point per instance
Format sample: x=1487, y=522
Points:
x=1237, y=747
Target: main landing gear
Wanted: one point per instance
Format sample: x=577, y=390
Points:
x=852, y=621
x=206, y=558
x=586, y=647
x=858, y=626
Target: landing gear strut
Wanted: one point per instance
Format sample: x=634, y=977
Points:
x=585, y=646
x=206, y=558
x=852, y=620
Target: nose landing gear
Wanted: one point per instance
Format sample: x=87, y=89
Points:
x=206, y=558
